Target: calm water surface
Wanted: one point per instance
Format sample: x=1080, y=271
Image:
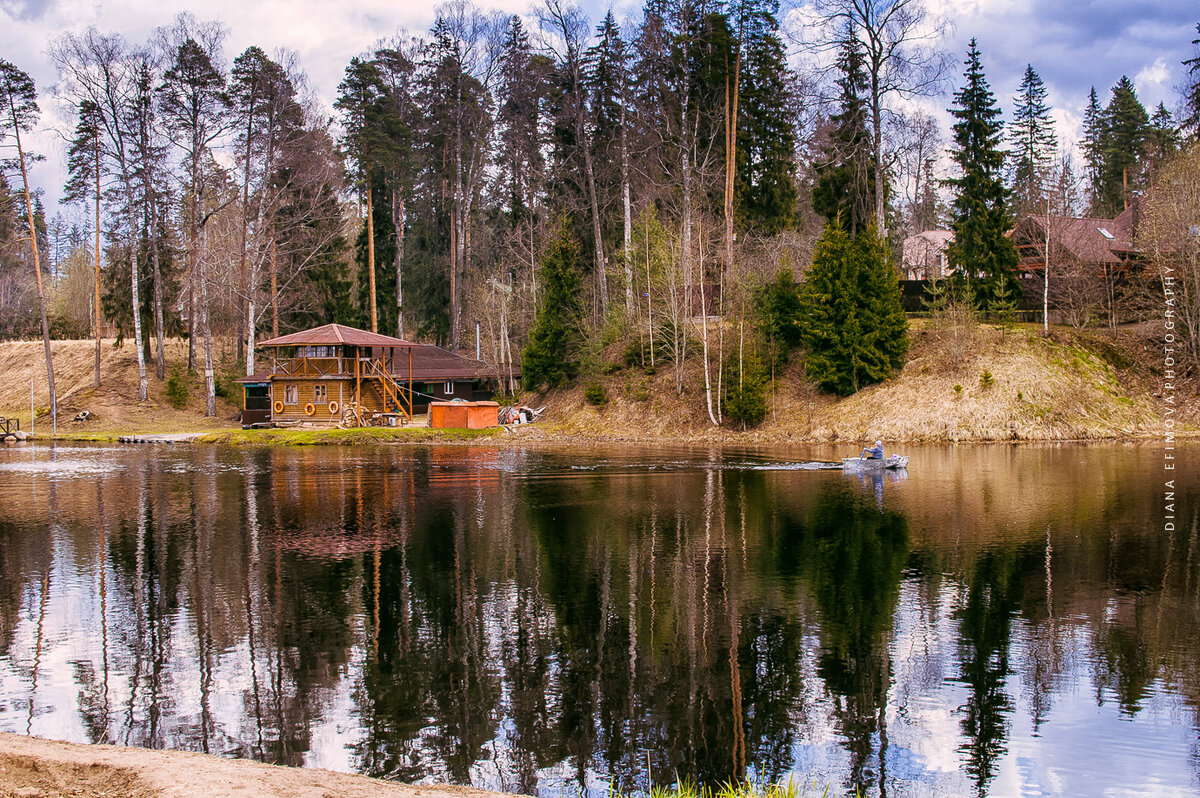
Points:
x=999, y=621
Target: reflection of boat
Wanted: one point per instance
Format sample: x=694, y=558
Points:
x=863, y=464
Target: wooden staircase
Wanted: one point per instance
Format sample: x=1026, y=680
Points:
x=390, y=391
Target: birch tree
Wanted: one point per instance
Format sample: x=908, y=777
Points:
x=99, y=68
x=195, y=107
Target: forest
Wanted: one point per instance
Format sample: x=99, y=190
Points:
x=694, y=190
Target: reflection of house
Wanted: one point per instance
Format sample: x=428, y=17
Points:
x=924, y=255
x=320, y=374
x=1106, y=244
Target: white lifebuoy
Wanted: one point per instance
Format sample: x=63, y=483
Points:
x=278, y=406
x=309, y=409
x=334, y=408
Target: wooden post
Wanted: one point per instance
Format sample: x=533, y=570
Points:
x=410, y=384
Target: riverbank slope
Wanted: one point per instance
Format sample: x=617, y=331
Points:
x=986, y=384
x=31, y=768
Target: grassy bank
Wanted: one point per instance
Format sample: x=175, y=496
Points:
x=987, y=384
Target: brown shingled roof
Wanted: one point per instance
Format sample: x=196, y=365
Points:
x=332, y=334
x=1083, y=238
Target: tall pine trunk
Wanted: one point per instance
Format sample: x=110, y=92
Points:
x=398, y=260
x=371, y=257
x=96, y=312
x=37, y=270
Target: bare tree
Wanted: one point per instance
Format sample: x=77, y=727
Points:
x=100, y=69
x=1170, y=235
x=902, y=61
x=570, y=29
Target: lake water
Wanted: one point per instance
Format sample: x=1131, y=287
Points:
x=997, y=621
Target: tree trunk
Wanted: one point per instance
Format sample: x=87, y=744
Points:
x=877, y=154
x=160, y=353
x=97, y=314
x=274, y=287
x=210, y=385
x=398, y=224
x=37, y=270
x=371, y=258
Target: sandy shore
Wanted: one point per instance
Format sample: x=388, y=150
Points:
x=35, y=768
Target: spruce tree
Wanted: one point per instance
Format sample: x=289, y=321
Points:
x=1122, y=141
x=1191, y=91
x=845, y=186
x=854, y=325
x=1034, y=141
x=981, y=253
x=551, y=358
x=765, y=179
x=1093, y=128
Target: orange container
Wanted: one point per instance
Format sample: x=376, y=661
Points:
x=463, y=415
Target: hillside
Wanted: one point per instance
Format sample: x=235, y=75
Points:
x=1000, y=385
x=114, y=406
x=1066, y=387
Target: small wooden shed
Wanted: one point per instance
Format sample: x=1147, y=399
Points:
x=464, y=415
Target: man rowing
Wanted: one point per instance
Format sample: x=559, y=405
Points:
x=873, y=453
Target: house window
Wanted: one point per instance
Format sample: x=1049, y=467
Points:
x=289, y=394
x=449, y=388
x=320, y=395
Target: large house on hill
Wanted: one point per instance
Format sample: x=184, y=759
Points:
x=1106, y=244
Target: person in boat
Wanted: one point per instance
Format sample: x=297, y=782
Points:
x=873, y=453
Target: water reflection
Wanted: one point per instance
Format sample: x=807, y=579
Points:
x=1003, y=621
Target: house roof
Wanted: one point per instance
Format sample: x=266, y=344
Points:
x=433, y=363
x=1087, y=239
x=429, y=363
x=333, y=334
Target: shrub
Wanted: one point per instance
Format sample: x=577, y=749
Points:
x=594, y=394
x=958, y=389
x=986, y=380
x=177, y=388
x=746, y=399
x=854, y=324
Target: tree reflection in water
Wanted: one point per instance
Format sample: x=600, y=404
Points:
x=507, y=619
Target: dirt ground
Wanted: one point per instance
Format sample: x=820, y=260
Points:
x=34, y=768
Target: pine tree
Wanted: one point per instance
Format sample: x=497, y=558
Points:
x=845, y=186
x=765, y=177
x=854, y=325
x=1162, y=139
x=551, y=358
x=981, y=252
x=1093, y=155
x=1033, y=137
x=1122, y=143
x=1191, y=91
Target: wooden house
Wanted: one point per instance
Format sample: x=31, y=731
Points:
x=1103, y=245
x=320, y=375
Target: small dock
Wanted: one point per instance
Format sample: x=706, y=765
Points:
x=168, y=438
x=10, y=430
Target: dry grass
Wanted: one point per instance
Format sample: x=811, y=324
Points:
x=1062, y=388
x=1014, y=385
x=114, y=406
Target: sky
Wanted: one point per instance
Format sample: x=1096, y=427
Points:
x=1072, y=45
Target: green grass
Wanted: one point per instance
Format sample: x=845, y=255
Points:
x=688, y=789
x=346, y=437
